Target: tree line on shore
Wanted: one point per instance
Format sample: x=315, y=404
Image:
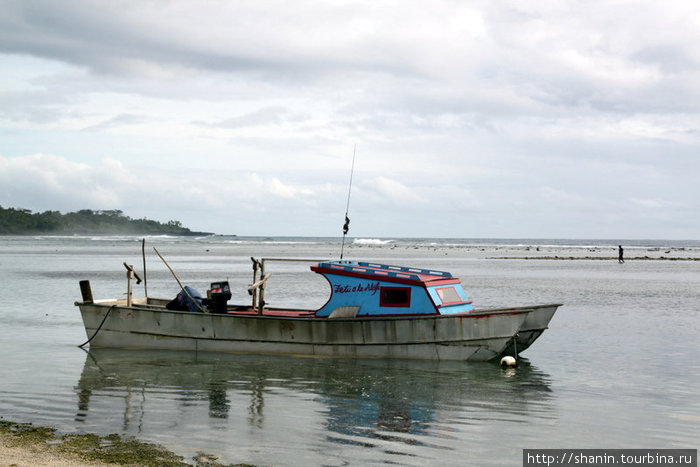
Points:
x=18, y=221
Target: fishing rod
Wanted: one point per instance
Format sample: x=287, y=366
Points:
x=346, y=225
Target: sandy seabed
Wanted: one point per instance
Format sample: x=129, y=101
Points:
x=38, y=454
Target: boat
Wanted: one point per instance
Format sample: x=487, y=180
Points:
x=374, y=311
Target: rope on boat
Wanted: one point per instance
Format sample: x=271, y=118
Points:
x=98, y=327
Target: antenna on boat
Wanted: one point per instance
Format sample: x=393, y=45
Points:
x=346, y=225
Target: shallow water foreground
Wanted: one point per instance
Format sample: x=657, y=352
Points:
x=616, y=369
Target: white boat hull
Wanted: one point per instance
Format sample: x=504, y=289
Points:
x=470, y=337
x=535, y=324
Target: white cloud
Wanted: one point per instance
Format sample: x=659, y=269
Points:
x=392, y=190
x=47, y=182
x=649, y=203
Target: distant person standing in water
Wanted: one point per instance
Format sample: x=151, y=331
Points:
x=620, y=252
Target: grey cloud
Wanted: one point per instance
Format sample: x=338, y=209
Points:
x=515, y=108
x=670, y=58
x=103, y=38
x=98, y=38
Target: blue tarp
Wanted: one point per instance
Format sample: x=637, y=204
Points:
x=183, y=303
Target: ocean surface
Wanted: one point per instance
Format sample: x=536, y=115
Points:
x=618, y=368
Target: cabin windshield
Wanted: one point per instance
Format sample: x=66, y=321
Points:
x=448, y=295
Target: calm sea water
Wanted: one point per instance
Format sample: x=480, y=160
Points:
x=618, y=368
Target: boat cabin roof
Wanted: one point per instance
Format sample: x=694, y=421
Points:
x=383, y=272
x=371, y=289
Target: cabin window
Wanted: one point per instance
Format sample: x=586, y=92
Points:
x=448, y=295
x=395, y=296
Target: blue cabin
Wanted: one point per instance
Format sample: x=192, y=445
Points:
x=369, y=289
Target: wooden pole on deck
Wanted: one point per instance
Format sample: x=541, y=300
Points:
x=145, y=281
x=129, y=278
x=263, y=279
x=259, y=285
x=253, y=290
x=86, y=291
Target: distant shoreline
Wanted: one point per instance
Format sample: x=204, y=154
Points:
x=18, y=221
x=109, y=234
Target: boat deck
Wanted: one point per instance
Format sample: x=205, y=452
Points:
x=248, y=311
x=157, y=304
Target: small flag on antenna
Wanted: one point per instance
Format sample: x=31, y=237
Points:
x=346, y=226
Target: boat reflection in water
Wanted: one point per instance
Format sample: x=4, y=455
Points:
x=233, y=406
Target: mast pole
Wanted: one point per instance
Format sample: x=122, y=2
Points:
x=346, y=225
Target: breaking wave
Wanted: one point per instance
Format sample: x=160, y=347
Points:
x=371, y=241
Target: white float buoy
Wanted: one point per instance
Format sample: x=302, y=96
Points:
x=509, y=361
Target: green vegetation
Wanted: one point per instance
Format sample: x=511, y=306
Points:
x=110, y=449
x=23, y=221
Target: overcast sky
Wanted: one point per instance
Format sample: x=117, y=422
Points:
x=507, y=119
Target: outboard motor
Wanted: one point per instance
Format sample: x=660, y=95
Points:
x=218, y=294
